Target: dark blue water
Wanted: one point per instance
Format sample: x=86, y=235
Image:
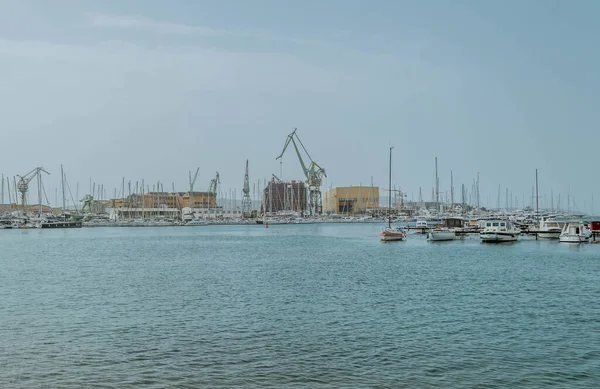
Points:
x=319, y=306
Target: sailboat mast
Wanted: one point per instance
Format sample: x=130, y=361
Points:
x=437, y=185
x=62, y=184
x=390, y=192
x=536, y=196
x=451, y=189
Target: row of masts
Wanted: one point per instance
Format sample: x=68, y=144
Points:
x=9, y=193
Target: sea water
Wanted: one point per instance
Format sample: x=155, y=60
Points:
x=294, y=306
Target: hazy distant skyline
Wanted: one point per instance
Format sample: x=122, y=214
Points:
x=152, y=89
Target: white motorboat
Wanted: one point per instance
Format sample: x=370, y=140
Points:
x=447, y=231
x=574, y=232
x=549, y=229
x=441, y=234
x=499, y=231
x=197, y=222
x=421, y=226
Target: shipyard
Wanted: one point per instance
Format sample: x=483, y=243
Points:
x=276, y=201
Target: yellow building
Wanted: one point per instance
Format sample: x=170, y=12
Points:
x=351, y=199
x=167, y=200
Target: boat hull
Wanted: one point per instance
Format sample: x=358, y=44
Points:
x=69, y=224
x=573, y=239
x=390, y=235
x=438, y=236
x=498, y=237
x=549, y=235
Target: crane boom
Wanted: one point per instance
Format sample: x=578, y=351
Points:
x=289, y=139
x=24, y=181
x=193, y=181
x=314, y=173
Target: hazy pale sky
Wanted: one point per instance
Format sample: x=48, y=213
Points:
x=151, y=89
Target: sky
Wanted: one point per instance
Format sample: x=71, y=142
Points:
x=151, y=89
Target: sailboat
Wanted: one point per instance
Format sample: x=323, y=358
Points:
x=391, y=233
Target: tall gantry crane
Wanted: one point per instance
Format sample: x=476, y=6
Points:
x=314, y=174
x=24, y=181
x=213, y=187
x=246, y=201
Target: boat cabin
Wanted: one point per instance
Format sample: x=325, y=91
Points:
x=421, y=223
x=497, y=225
x=574, y=229
x=454, y=222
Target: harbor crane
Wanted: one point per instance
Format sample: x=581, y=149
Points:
x=246, y=201
x=193, y=180
x=314, y=174
x=24, y=181
x=213, y=187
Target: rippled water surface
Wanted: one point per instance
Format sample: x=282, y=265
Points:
x=320, y=306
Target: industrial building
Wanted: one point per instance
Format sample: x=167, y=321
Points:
x=351, y=200
x=281, y=196
x=167, y=200
x=160, y=204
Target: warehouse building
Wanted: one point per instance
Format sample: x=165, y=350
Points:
x=281, y=196
x=351, y=200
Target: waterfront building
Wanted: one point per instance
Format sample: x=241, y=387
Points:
x=281, y=196
x=166, y=205
x=351, y=199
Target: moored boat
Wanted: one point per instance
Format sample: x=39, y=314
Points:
x=59, y=223
x=447, y=231
x=421, y=226
x=574, y=232
x=549, y=229
x=390, y=233
x=499, y=231
x=441, y=234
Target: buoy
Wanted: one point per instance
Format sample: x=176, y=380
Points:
x=267, y=225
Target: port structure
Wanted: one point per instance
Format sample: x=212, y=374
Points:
x=23, y=185
x=213, y=186
x=314, y=174
x=246, y=201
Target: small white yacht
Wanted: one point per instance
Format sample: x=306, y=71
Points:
x=549, y=229
x=421, y=226
x=499, y=231
x=446, y=231
x=197, y=222
x=574, y=232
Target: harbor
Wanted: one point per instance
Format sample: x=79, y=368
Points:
x=295, y=202
x=276, y=201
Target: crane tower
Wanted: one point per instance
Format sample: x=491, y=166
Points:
x=213, y=187
x=314, y=174
x=246, y=201
x=23, y=184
